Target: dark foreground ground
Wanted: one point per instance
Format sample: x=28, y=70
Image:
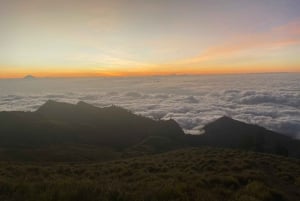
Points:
x=208, y=174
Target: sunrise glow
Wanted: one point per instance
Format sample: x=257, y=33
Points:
x=140, y=38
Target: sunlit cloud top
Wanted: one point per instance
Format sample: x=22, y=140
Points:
x=136, y=37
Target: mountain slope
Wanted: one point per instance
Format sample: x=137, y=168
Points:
x=67, y=132
x=230, y=133
x=67, y=126
x=202, y=174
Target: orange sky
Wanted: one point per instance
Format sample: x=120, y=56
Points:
x=120, y=38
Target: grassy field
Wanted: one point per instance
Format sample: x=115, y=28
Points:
x=208, y=174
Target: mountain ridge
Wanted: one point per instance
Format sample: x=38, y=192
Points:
x=28, y=77
x=88, y=130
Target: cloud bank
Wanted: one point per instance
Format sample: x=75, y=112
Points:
x=269, y=100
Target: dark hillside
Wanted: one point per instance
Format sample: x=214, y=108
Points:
x=82, y=132
x=207, y=174
x=64, y=126
x=230, y=133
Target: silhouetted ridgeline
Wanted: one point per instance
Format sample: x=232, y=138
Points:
x=61, y=131
x=230, y=133
x=67, y=132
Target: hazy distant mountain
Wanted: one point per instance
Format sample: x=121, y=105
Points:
x=62, y=131
x=29, y=77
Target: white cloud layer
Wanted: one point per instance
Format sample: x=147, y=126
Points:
x=269, y=100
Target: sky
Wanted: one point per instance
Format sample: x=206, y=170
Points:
x=64, y=38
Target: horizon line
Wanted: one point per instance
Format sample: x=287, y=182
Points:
x=150, y=75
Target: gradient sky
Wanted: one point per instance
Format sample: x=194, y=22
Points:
x=143, y=37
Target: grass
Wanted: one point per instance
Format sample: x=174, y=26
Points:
x=207, y=174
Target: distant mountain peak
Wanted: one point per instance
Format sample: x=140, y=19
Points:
x=86, y=106
x=51, y=106
x=225, y=120
x=29, y=77
x=82, y=103
x=53, y=103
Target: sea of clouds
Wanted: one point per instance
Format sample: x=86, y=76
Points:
x=269, y=100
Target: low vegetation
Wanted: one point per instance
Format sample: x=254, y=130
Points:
x=209, y=174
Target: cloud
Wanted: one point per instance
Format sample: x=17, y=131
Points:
x=191, y=99
x=133, y=95
x=259, y=98
x=269, y=100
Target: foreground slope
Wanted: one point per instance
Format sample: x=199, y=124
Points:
x=208, y=174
